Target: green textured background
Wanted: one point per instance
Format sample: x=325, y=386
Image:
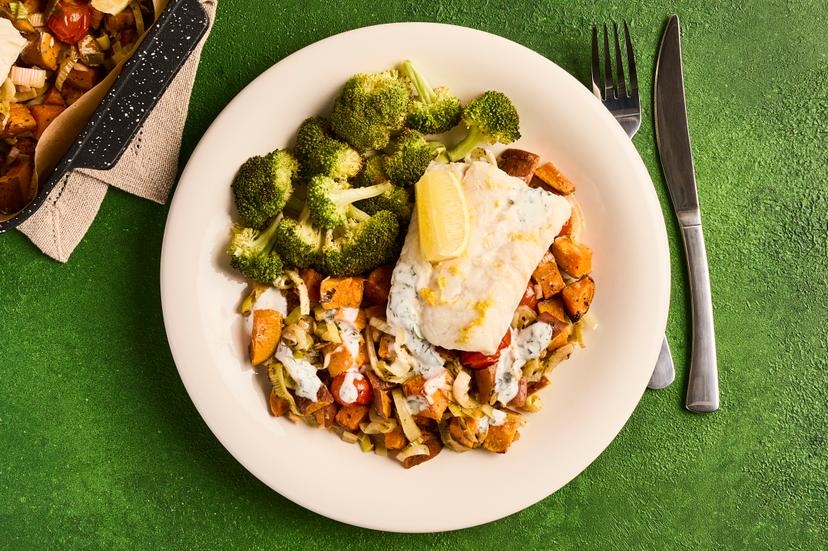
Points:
x=101, y=447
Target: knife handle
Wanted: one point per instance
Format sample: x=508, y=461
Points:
x=703, y=387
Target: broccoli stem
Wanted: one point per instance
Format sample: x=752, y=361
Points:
x=474, y=138
x=424, y=90
x=265, y=241
x=350, y=196
x=358, y=214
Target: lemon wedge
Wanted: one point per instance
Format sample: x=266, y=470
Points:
x=112, y=7
x=443, y=216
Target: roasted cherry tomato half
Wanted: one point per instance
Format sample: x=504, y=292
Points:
x=70, y=22
x=530, y=298
x=476, y=360
x=364, y=392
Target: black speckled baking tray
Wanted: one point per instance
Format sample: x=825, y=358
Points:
x=136, y=91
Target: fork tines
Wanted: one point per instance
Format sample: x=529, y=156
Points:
x=612, y=85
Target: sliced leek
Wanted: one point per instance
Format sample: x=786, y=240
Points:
x=409, y=427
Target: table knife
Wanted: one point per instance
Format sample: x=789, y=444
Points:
x=673, y=139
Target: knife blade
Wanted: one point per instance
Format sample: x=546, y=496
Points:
x=673, y=140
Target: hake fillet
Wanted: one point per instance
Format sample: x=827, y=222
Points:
x=467, y=303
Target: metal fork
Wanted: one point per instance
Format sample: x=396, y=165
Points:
x=624, y=104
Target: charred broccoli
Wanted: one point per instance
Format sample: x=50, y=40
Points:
x=434, y=110
x=361, y=244
x=370, y=108
x=263, y=185
x=320, y=153
x=330, y=201
x=490, y=118
x=251, y=252
x=408, y=157
x=299, y=242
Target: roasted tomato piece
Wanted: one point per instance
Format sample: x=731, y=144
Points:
x=364, y=392
x=530, y=298
x=476, y=360
x=70, y=21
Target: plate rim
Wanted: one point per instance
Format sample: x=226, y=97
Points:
x=188, y=378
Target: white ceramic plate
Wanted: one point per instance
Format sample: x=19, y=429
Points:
x=591, y=396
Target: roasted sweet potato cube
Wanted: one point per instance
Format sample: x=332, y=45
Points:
x=414, y=386
x=71, y=94
x=395, y=440
x=485, y=381
x=267, y=329
x=121, y=21
x=42, y=51
x=553, y=307
x=500, y=437
x=548, y=276
x=464, y=431
x=561, y=330
x=325, y=416
x=53, y=97
x=96, y=19
x=382, y=398
x=349, y=417
x=378, y=285
x=341, y=292
x=312, y=280
x=434, y=445
x=573, y=258
x=20, y=174
x=551, y=178
x=11, y=199
x=83, y=77
x=520, y=398
x=518, y=163
x=566, y=229
x=337, y=359
x=324, y=398
x=20, y=121
x=437, y=406
x=278, y=406
x=577, y=296
x=44, y=115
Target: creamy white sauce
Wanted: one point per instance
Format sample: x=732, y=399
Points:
x=272, y=299
x=482, y=424
x=301, y=371
x=527, y=344
x=498, y=418
x=348, y=392
x=404, y=312
x=416, y=404
x=349, y=314
x=435, y=383
x=350, y=338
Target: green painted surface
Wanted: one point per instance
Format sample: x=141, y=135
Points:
x=101, y=447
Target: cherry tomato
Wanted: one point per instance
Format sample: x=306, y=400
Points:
x=364, y=392
x=476, y=360
x=530, y=298
x=70, y=22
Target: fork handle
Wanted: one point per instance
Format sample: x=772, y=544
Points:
x=703, y=387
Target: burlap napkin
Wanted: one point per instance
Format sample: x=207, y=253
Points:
x=147, y=169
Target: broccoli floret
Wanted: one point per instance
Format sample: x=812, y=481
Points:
x=408, y=157
x=251, y=252
x=362, y=245
x=370, y=108
x=299, y=242
x=320, y=153
x=330, y=201
x=490, y=118
x=434, y=110
x=372, y=173
x=263, y=186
